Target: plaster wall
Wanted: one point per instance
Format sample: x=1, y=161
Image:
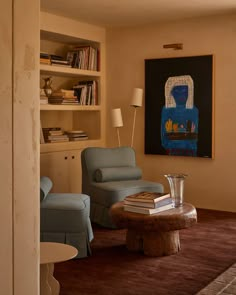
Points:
x=19, y=146
x=6, y=276
x=26, y=146
x=211, y=182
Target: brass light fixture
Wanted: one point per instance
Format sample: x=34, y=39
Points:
x=175, y=46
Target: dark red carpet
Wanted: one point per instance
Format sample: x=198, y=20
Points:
x=207, y=249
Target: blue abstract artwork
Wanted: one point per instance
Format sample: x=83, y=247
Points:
x=178, y=106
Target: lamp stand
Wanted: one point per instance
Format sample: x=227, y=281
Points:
x=132, y=137
x=118, y=135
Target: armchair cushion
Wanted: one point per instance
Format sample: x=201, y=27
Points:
x=117, y=174
x=108, y=193
x=45, y=187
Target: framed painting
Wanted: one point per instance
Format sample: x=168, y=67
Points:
x=179, y=106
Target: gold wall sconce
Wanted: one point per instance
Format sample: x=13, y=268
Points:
x=175, y=46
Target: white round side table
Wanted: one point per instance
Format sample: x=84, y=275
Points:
x=51, y=253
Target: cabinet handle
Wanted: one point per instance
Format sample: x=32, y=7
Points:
x=73, y=157
x=65, y=158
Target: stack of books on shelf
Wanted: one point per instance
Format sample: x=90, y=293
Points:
x=76, y=135
x=148, y=202
x=54, y=134
x=69, y=97
x=45, y=58
x=84, y=57
x=57, y=60
x=87, y=92
x=43, y=97
x=63, y=96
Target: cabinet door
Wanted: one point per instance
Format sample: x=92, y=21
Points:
x=64, y=169
x=55, y=166
x=75, y=171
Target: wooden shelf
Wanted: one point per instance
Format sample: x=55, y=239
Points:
x=71, y=145
x=62, y=107
x=67, y=72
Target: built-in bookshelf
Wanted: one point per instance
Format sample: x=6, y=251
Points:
x=88, y=116
x=58, y=35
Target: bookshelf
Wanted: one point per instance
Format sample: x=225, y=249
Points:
x=58, y=36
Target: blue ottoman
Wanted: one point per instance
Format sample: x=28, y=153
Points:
x=64, y=218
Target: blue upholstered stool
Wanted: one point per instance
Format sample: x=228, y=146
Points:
x=64, y=218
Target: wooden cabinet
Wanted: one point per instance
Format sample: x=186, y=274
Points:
x=64, y=169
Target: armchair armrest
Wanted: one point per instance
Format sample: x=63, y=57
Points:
x=45, y=187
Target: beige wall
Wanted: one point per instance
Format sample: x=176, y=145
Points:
x=6, y=245
x=19, y=145
x=26, y=146
x=211, y=183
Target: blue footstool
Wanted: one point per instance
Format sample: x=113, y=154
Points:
x=64, y=218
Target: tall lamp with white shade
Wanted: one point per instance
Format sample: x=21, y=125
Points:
x=136, y=102
x=117, y=121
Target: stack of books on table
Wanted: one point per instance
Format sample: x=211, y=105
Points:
x=148, y=202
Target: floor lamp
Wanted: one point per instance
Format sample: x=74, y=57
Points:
x=136, y=103
x=117, y=121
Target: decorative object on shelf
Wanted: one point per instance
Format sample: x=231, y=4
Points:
x=47, y=86
x=117, y=121
x=136, y=102
x=176, y=182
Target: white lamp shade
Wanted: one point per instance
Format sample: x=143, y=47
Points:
x=137, y=97
x=117, y=118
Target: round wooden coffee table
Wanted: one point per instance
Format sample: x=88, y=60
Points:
x=156, y=234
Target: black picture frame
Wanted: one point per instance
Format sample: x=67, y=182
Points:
x=157, y=72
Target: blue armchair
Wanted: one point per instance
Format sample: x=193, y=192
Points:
x=108, y=176
x=64, y=218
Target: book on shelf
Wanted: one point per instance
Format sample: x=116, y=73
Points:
x=57, y=137
x=43, y=97
x=56, y=132
x=78, y=138
x=52, y=59
x=148, y=211
x=151, y=197
x=87, y=92
x=84, y=57
x=149, y=204
x=58, y=140
x=43, y=100
x=44, y=55
x=61, y=62
x=61, y=65
x=47, y=131
x=76, y=135
x=45, y=61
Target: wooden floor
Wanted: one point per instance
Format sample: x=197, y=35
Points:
x=207, y=250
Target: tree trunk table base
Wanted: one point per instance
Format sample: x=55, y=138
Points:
x=153, y=243
x=156, y=234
